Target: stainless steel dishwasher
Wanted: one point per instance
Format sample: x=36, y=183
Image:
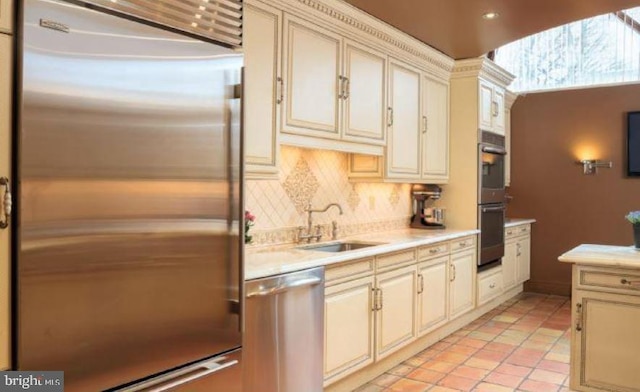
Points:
x=284, y=323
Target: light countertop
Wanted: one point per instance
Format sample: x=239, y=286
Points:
x=603, y=256
x=261, y=262
x=511, y=222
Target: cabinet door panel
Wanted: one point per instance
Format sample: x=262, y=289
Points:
x=5, y=170
x=6, y=16
x=524, y=258
x=364, y=107
x=348, y=328
x=432, y=302
x=499, y=119
x=435, y=140
x=311, y=68
x=509, y=265
x=261, y=39
x=606, y=349
x=403, y=148
x=485, y=106
x=395, y=322
x=462, y=289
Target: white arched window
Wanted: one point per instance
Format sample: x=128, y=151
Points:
x=595, y=51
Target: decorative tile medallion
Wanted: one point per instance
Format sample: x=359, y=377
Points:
x=301, y=185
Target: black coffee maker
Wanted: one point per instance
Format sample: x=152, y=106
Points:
x=425, y=216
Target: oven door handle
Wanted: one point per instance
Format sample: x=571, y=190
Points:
x=494, y=150
x=493, y=209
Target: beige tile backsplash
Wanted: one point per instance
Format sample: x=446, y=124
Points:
x=320, y=177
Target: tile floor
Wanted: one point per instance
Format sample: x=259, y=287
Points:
x=523, y=345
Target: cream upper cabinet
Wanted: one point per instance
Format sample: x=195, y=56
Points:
x=432, y=293
x=348, y=328
x=6, y=16
x=5, y=171
x=396, y=304
x=462, y=278
x=364, y=94
x=262, y=37
x=435, y=130
x=605, y=341
x=491, y=107
x=403, y=145
x=311, y=67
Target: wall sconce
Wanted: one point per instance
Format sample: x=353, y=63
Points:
x=590, y=166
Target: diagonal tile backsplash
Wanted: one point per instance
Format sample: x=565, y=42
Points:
x=320, y=177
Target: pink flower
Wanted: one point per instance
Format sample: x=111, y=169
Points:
x=248, y=216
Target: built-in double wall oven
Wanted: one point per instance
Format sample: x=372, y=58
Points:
x=491, y=196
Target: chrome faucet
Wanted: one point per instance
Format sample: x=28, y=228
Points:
x=309, y=236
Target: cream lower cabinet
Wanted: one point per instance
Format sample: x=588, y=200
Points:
x=516, y=263
x=5, y=171
x=509, y=264
x=462, y=282
x=433, y=291
x=606, y=342
x=348, y=327
x=396, y=309
x=262, y=37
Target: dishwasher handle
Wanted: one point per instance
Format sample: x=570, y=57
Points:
x=264, y=291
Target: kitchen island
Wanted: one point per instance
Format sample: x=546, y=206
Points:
x=605, y=343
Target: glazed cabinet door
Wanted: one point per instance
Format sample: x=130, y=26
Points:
x=606, y=342
x=262, y=36
x=348, y=328
x=435, y=130
x=5, y=171
x=6, y=16
x=498, y=110
x=432, y=294
x=311, y=68
x=524, y=258
x=396, y=310
x=485, y=105
x=509, y=265
x=364, y=94
x=403, y=146
x=461, y=278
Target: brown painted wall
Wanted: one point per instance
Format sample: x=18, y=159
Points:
x=550, y=131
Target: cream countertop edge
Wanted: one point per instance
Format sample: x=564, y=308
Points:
x=603, y=256
x=260, y=263
x=517, y=222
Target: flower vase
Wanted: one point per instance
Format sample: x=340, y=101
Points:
x=636, y=235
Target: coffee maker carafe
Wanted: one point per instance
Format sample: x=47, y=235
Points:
x=425, y=215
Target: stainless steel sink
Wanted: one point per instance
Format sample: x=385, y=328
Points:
x=340, y=246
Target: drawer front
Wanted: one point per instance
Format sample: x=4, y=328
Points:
x=349, y=270
x=431, y=251
x=515, y=231
x=626, y=281
x=463, y=243
x=395, y=259
x=489, y=286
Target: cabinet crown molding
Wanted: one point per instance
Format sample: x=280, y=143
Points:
x=509, y=98
x=484, y=68
x=364, y=23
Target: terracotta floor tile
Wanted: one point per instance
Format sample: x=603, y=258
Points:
x=524, y=327
x=493, y=331
x=482, y=335
x=522, y=360
x=385, y=380
x=538, y=386
x=505, y=348
x=370, y=388
x=461, y=383
x=491, y=355
x=482, y=363
x=460, y=349
x=506, y=319
x=504, y=379
x=439, y=388
x=425, y=375
x=529, y=352
x=547, y=376
x=451, y=357
x=477, y=343
x=540, y=337
x=414, y=361
x=407, y=385
x=509, y=340
x=564, y=358
x=439, y=366
x=440, y=346
x=511, y=333
x=487, y=387
x=400, y=370
x=513, y=370
x=470, y=372
x=532, y=344
x=554, y=366
x=550, y=332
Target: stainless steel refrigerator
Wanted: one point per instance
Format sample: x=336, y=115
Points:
x=129, y=167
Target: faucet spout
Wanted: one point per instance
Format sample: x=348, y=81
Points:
x=310, y=211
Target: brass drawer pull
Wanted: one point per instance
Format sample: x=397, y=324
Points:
x=434, y=250
x=630, y=282
x=492, y=286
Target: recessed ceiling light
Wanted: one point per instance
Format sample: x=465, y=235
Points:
x=490, y=15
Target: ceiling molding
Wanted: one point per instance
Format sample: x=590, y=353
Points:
x=482, y=67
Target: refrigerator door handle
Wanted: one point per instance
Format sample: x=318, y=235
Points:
x=285, y=286
x=182, y=377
